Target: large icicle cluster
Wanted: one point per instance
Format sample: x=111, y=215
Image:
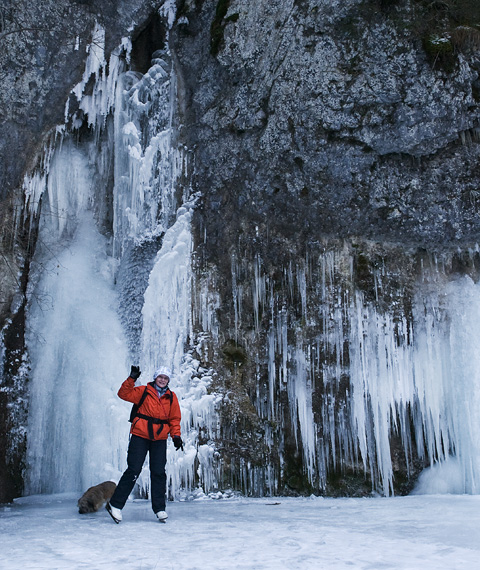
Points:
x=374, y=374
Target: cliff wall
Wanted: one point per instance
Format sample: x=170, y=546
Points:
x=335, y=155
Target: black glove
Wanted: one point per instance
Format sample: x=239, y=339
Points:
x=177, y=442
x=135, y=372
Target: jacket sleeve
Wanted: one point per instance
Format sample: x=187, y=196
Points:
x=175, y=417
x=129, y=392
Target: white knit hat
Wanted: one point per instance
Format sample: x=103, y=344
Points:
x=162, y=371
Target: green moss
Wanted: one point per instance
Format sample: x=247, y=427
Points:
x=233, y=17
x=233, y=353
x=439, y=50
x=437, y=45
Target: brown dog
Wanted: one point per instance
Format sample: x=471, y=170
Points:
x=94, y=497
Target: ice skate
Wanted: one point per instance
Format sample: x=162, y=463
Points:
x=115, y=513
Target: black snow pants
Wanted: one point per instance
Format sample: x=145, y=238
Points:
x=137, y=452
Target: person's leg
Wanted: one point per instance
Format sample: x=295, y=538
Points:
x=137, y=451
x=158, y=477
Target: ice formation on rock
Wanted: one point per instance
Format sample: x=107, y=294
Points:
x=112, y=284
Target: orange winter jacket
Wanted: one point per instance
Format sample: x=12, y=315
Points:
x=164, y=412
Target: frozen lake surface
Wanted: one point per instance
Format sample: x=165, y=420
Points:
x=415, y=533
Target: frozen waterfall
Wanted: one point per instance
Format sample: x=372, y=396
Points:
x=112, y=283
x=87, y=290
x=75, y=339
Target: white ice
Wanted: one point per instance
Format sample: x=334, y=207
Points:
x=77, y=426
x=406, y=533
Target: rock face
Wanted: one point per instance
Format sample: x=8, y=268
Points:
x=344, y=116
x=335, y=155
x=43, y=49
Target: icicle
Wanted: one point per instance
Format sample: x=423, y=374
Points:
x=169, y=10
x=302, y=287
x=399, y=371
x=300, y=397
x=147, y=165
x=271, y=372
x=99, y=103
x=258, y=291
x=237, y=296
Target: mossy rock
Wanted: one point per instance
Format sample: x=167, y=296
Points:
x=234, y=354
x=218, y=26
x=440, y=52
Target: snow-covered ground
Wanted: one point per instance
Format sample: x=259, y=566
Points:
x=414, y=533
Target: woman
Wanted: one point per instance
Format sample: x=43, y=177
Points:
x=155, y=414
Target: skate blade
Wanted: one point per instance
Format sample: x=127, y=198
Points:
x=109, y=511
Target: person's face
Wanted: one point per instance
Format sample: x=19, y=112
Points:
x=161, y=381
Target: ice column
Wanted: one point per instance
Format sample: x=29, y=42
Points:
x=166, y=310
x=76, y=426
x=452, y=391
x=147, y=162
x=167, y=332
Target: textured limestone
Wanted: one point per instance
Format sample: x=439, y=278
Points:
x=336, y=110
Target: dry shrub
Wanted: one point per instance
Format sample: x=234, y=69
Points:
x=465, y=39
